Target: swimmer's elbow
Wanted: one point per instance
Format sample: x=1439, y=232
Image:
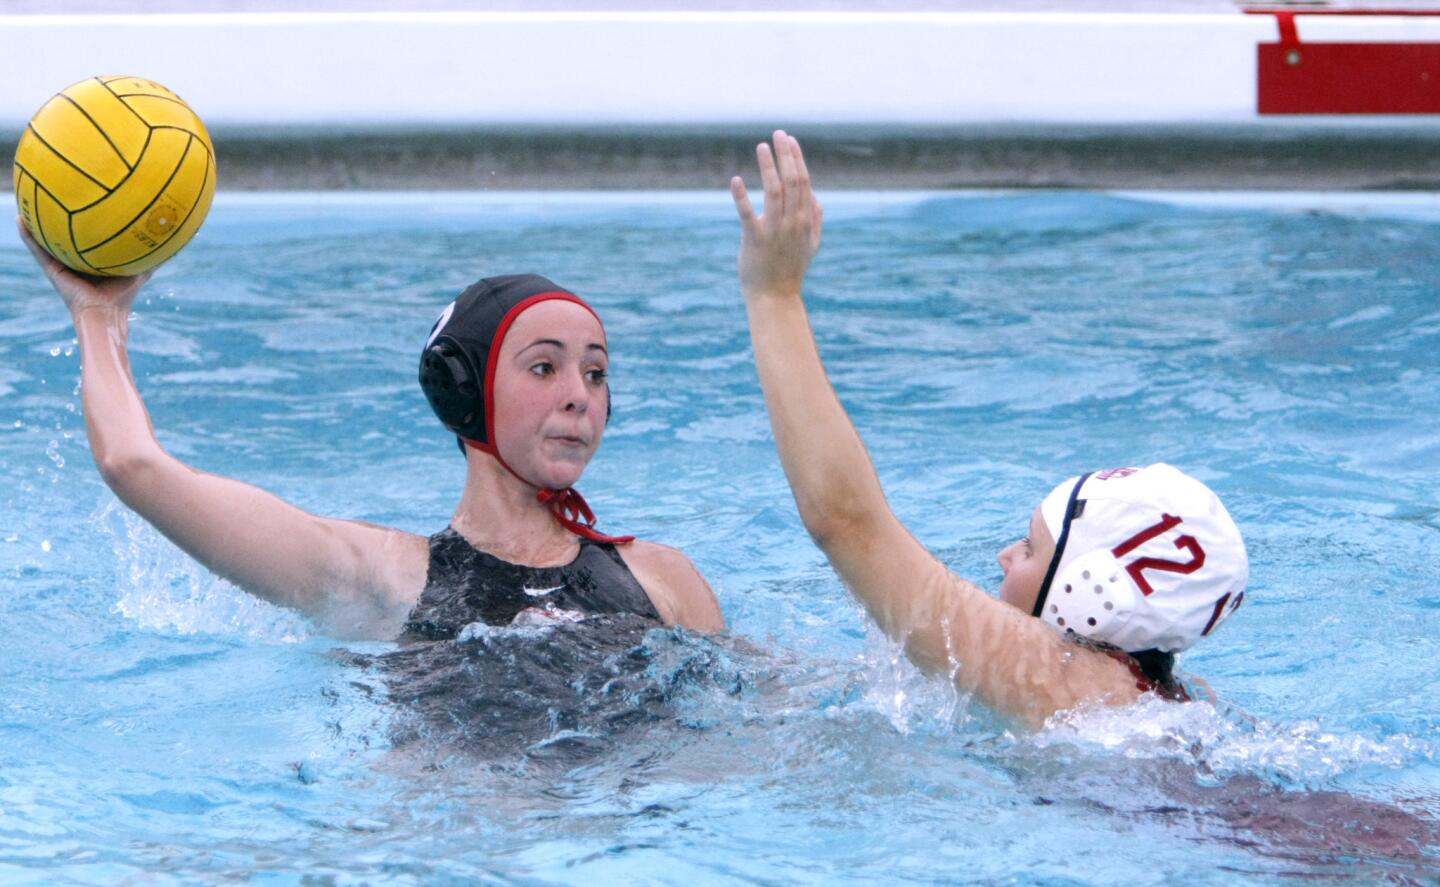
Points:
x=838, y=514
x=128, y=473
x=833, y=526
x=823, y=528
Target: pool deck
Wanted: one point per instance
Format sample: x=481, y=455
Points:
x=842, y=157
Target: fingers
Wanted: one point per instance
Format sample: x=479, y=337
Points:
x=802, y=180
x=68, y=281
x=776, y=247
x=797, y=197
x=48, y=263
x=786, y=181
x=799, y=185
x=35, y=249
x=801, y=169
x=742, y=200
x=770, y=178
x=785, y=147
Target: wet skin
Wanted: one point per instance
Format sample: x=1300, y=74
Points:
x=550, y=393
x=1024, y=564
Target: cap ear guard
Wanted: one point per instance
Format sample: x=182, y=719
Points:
x=1093, y=596
x=453, y=387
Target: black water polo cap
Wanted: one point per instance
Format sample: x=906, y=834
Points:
x=457, y=367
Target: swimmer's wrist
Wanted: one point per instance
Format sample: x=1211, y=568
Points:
x=771, y=291
x=106, y=312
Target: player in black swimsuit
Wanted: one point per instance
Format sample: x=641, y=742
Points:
x=516, y=367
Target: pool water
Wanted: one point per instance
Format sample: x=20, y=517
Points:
x=156, y=724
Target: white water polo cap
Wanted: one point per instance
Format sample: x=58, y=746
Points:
x=1145, y=559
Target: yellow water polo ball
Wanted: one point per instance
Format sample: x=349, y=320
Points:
x=114, y=175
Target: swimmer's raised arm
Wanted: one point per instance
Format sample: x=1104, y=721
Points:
x=355, y=579
x=1016, y=664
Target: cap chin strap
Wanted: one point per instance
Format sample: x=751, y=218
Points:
x=1059, y=546
x=567, y=506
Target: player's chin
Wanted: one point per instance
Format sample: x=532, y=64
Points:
x=564, y=470
x=1018, y=595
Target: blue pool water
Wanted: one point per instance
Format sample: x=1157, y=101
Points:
x=158, y=725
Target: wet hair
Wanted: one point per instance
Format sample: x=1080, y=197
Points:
x=1155, y=667
x=1159, y=667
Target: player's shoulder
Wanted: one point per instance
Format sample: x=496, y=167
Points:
x=674, y=584
x=656, y=554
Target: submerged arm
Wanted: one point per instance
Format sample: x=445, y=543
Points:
x=1016, y=664
x=356, y=579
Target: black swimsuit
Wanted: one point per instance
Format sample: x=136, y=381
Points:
x=502, y=685
x=465, y=585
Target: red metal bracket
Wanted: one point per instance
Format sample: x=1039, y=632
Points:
x=1345, y=78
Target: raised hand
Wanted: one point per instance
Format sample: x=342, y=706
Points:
x=776, y=247
x=79, y=291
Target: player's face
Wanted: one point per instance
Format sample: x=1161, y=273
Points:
x=550, y=393
x=1024, y=564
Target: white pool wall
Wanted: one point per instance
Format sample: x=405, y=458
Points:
x=674, y=68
